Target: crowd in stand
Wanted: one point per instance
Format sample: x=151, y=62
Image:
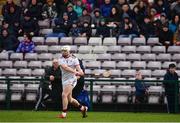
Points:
x=118, y=18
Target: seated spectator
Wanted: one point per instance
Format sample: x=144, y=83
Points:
x=147, y=28
x=6, y=26
x=96, y=17
x=106, y=8
x=62, y=27
x=34, y=9
x=8, y=43
x=16, y=27
x=114, y=18
x=103, y=30
x=6, y=7
x=174, y=23
x=29, y=25
x=75, y=30
x=27, y=45
x=166, y=36
x=119, y=5
x=161, y=6
x=78, y=7
x=177, y=36
x=84, y=18
x=13, y=14
x=126, y=10
x=71, y=13
x=85, y=30
x=128, y=28
x=176, y=8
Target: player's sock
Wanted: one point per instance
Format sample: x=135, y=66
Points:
x=80, y=107
x=64, y=112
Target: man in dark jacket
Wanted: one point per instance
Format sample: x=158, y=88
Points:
x=171, y=89
x=52, y=79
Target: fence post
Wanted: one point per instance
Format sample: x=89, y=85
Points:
x=91, y=94
x=176, y=96
x=8, y=94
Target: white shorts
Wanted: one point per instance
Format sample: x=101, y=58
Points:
x=72, y=82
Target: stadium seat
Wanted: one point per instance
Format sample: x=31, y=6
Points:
x=115, y=73
x=138, y=41
x=30, y=80
x=153, y=65
x=178, y=72
x=114, y=49
x=24, y=72
x=108, y=65
x=44, y=23
x=123, y=65
x=46, y=31
x=2, y=96
x=4, y=56
x=46, y=64
x=100, y=49
x=21, y=38
x=3, y=87
x=124, y=41
x=158, y=49
x=148, y=57
x=30, y=56
x=104, y=57
x=0, y=72
x=45, y=56
x=88, y=57
x=52, y=41
x=158, y=73
x=9, y=72
x=123, y=93
x=2, y=77
x=16, y=96
x=66, y=41
x=109, y=41
x=16, y=56
x=38, y=72
x=143, y=49
x=54, y=49
x=41, y=49
x=31, y=96
x=80, y=41
x=57, y=56
x=128, y=73
x=146, y=73
x=6, y=64
x=153, y=41
x=88, y=72
x=163, y=57
x=95, y=41
x=128, y=49
x=133, y=57
x=165, y=65
x=93, y=64
x=96, y=91
x=138, y=65
x=173, y=49
x=154, y=94
x=35, y=64
x=15, y=77
x=85, y=49
x=107, y=93
x=32, y=87
x=17, y=87
x=20, y=64
x=178, y=66
x=176, y=57
x=74, y=48
x=38, y=40
x=151, y=81
x=118, y=57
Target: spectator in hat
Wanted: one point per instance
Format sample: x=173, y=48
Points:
x=29, y=25
x=8, y=43
x=106, y=8
x=96, y=17
x=71, y=13
x=84, y=18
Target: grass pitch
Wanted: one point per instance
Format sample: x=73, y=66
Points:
x=50, y=116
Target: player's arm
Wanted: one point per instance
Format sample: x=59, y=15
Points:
x=68, y=69
x=79, y=70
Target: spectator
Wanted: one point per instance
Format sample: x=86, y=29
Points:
x=127, y=11
x=62, y=27
x=114, y=17
x=78, y=7
x=84, y=18
x=75, y=30
x=174, y=23
x=166, y=36
x=13, y=14
x=96, y=17
x=103, y=30
x=163, y=18
x=35, y=10
x=16, y=27
x=147, y=28
x=8, y=42
x=177, y=36
x=176, y=9
x=27, y=45
x=161, y=6
x=85, y=30
x=119, y=5
x=5, y=8
x=128, y=28
x=29, y=25
x=106, y=8
x=171, y=88
x=71, y=13
x=141, y=91
x=6, y=26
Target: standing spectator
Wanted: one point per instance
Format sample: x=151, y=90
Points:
x=78, y=7
x=29, y=25
x=174, y=23
x=171, y=88
x=166, y=36
x=27, y=45
x=85, y=30
x=71, y=13
x=177, y=36
x=96, y=17
x=85, y=17
x=106, y=8
x=75, y=30
x=8, y=42
x=103, y=30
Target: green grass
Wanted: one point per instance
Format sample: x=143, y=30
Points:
x=50, y=116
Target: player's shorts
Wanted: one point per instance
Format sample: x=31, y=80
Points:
x=72, y=81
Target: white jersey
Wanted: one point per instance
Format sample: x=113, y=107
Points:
x=68, y=77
